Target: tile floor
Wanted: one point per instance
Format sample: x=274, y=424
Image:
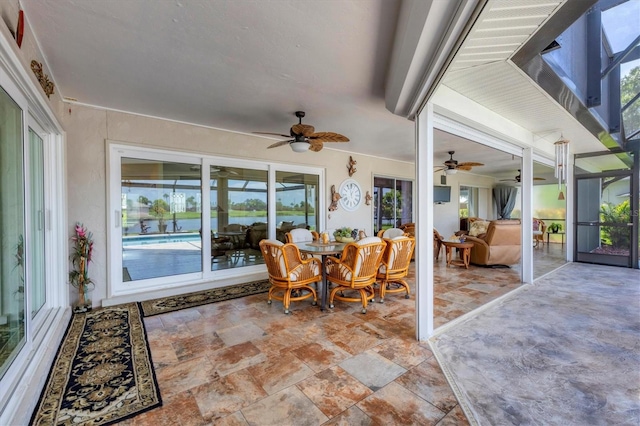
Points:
x=243, y=362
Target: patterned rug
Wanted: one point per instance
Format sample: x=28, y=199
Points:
x=182, y=301
x=102, y=373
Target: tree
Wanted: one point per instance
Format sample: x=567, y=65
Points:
x=391, y=204
x=144, y=200
x=630, y=87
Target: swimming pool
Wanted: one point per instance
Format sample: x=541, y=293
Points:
x=137, y=240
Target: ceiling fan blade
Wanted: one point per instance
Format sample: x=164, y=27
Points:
x=469, y=164
x=277, y=144
x=538, y=178
x=302, y=129
x=464, y=168
x=316, y=145
x=274, y=134
x=439, y=169
x=508, y=180
x=328, y=137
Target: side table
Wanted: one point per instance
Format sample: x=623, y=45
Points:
x=465, y=252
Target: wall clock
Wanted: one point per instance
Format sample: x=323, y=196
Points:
x=351, y=194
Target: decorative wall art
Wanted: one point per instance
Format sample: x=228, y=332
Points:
x=367, y=199
x=47, y=85
x=335, y=197
x=351, y=166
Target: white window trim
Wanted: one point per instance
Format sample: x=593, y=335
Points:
x=21, y=384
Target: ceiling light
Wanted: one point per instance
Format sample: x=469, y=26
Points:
x=299, y=146
x=450, y=171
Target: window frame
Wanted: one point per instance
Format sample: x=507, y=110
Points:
x=119, y=291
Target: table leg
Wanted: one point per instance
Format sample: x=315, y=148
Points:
x=323, y=295
x=448, y=252
x=466, y=255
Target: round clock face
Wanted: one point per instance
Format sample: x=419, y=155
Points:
x=351, y=195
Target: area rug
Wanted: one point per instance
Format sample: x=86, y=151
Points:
x=182, y=301
x=102, y=373
x=562, y=351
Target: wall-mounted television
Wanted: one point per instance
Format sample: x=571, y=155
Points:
x=441, y=194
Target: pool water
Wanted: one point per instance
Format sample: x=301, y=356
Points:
x=137, y=240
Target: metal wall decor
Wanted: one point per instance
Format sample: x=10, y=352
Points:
x=47, y=85
x=351, y=166
x=335, y=197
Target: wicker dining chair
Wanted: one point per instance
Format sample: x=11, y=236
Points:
x=300, y=235
x=355, y=271
x=289, y=274
x=390, y=233
x=395, y=266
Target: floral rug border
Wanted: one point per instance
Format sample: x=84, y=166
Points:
x=103, y=369
x=182, y=301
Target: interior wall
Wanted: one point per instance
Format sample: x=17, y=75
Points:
x=446, y=216
x=88, y=128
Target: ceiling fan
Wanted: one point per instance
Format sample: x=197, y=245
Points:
x=518, y=178
x=451, y=166
x=305, y=137
x=222, y=172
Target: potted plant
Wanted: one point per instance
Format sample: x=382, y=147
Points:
x=158, y=209
x=79, y=275
x=344, y=235
x=555, y=227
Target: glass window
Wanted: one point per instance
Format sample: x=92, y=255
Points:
x=37, y=276
x=239, y=217
x=468, y=202
x=296, y=202
x=160, y=236
x=12, y=247
x=393, y=202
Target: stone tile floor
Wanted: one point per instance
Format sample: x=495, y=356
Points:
x=243, y=362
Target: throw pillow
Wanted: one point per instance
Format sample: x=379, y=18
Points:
x=478, y=227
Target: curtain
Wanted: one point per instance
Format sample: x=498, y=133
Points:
x=505, y=199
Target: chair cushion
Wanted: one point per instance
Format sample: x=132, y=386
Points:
x=392, y=233
x=478, y=227
x=299, y=235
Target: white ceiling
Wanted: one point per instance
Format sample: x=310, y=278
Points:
x=247, y=65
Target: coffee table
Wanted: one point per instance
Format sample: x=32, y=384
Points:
x=465, y=252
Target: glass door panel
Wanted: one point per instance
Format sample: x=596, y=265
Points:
x=238, y=216
x=393, y=203
x=37, y=276
x=160, y=235
x=603, y=213
x=12, y=259
x=296, y=202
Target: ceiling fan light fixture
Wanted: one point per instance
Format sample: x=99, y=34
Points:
x=450, y=171
x=300, y=146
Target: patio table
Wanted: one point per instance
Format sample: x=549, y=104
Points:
x=324, y=250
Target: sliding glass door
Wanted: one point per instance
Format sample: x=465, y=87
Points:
x=393, y=202
x=12, y=231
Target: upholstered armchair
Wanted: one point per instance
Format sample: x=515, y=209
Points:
x=500, y=245
x=288, y=272
x=395, y=266
x=355, y=271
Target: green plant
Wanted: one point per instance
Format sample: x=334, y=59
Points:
x=555, y=227
x=616, y=236
x=158, y=209
x=343, y=232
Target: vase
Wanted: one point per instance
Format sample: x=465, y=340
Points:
x=85, y=298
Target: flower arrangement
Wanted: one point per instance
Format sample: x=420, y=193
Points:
x=80, y=258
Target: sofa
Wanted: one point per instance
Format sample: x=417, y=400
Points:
x=500, y=245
